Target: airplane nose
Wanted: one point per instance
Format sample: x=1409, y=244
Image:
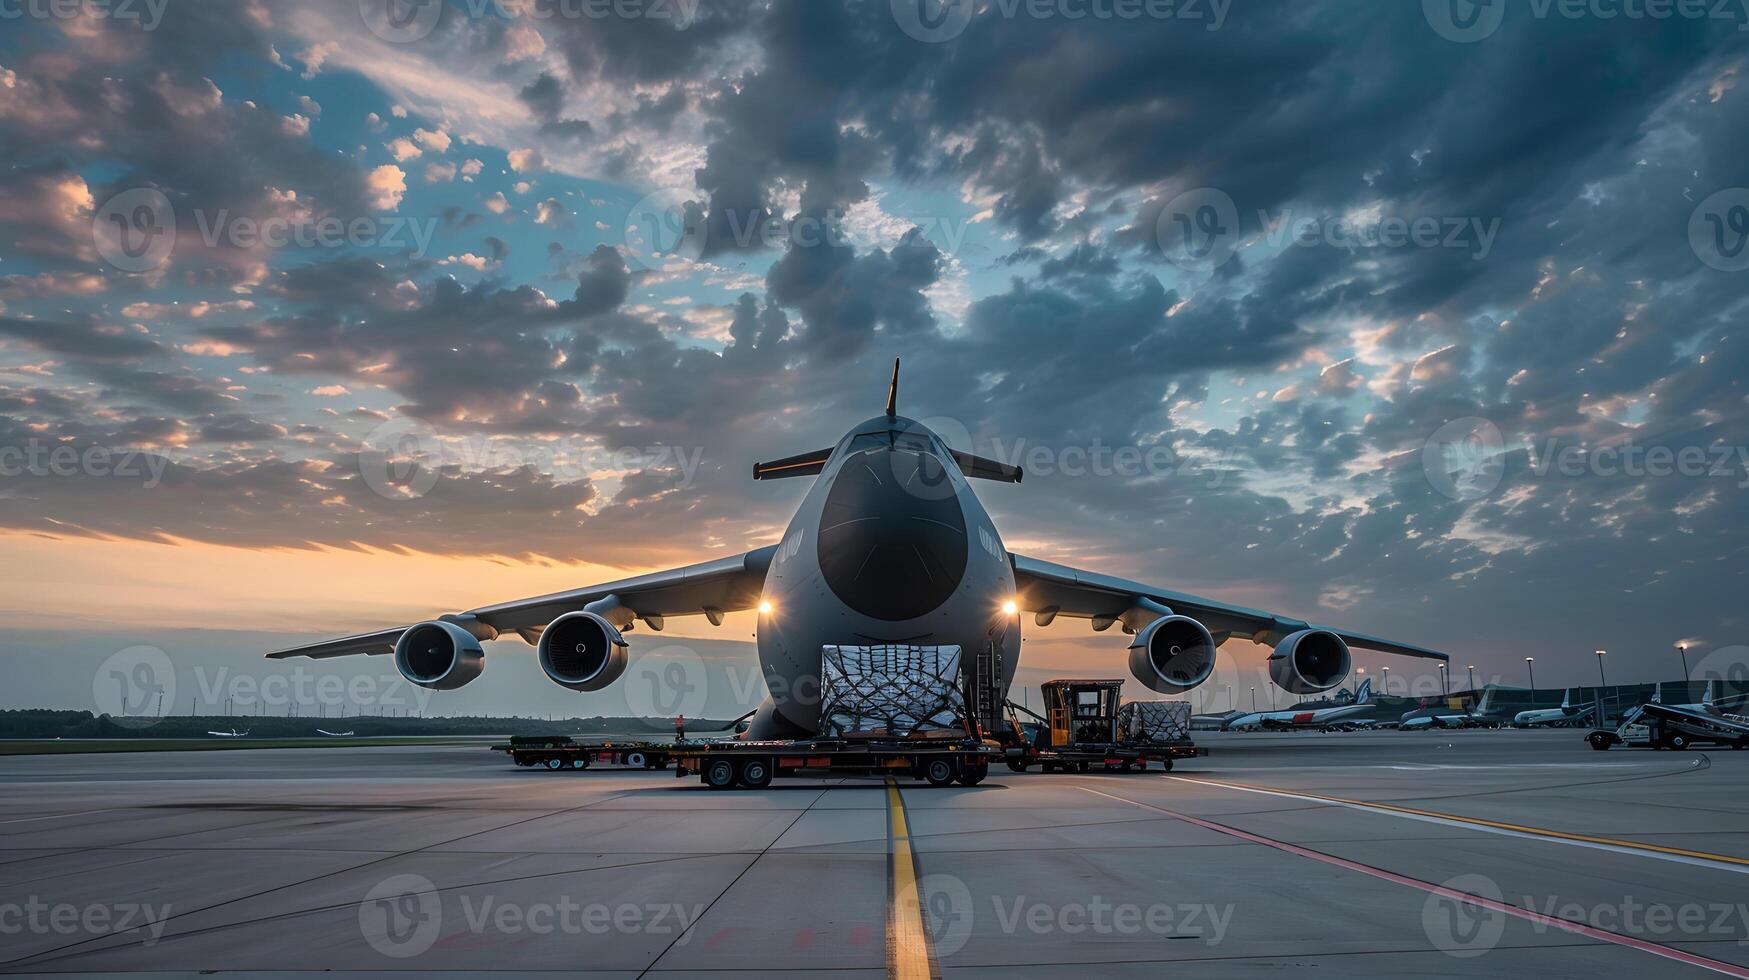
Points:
x=892, y=540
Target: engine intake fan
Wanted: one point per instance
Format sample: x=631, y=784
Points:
x=1172, y=654
x=1309, y=661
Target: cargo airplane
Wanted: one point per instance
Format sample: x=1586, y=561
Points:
x=890, y=546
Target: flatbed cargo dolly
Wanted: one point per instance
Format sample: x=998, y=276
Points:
x=559, y=752
x=753, y=765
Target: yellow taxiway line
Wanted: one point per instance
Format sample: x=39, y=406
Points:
x=907, y=937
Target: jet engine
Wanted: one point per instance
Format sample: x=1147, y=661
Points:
x=582, y=651
x=1309, y=661
x=1172, y=654
x=438, y=655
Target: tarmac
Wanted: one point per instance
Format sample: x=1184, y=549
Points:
x=1388, y=854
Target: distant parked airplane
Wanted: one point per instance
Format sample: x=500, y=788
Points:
x=1315, y=718
x=1567, y=714
x=233, y=733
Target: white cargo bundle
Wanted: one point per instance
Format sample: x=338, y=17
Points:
x=890, y=689
x=1154, y=721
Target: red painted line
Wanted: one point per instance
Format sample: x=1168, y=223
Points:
x=1565, y=925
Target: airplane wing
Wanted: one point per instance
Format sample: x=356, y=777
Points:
x=708, y=588
x=1050, y=590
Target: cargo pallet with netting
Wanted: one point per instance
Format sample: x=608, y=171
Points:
x=890, y=709
x=1084, y=728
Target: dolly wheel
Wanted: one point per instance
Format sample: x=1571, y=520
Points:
x=1165, y=765
x=555, y=763
x=1598, y=740
x=756, y=773
x=719, y=774
x=1016, y=765
x=973, y=773
x=579, y=763
x=939, y=772
x=1679, y=741
x=635, y=760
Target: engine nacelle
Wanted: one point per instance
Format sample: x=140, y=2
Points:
x=582, y=651
x=1172, y=654
x=1309, y=661
x=438, y=655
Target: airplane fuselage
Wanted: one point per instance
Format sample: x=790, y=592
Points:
x=889, y=546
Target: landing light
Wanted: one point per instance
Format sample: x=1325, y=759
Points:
x=1010, y=607
x=764, y=607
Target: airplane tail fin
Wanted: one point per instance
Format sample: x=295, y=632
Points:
x=1706, y=700
x=893, y=392
x=1363, y=694
x=1658, y=693
x=1567, y=699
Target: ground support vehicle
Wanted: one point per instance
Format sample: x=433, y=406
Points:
x=1087, y=729
x=1668, y=726
x=753, y=765
x=561, y=752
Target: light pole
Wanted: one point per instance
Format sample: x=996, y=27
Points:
x=1601, y=681
x=1386, y=683
x=1682, y=651
x=1530, y=665
x=1254, y=699
x=1444, y=684
x=1472, y=677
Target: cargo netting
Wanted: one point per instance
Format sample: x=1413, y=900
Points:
x=895, y=690
x=1154, y=721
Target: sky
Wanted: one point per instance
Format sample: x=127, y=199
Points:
x=1420, y=319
